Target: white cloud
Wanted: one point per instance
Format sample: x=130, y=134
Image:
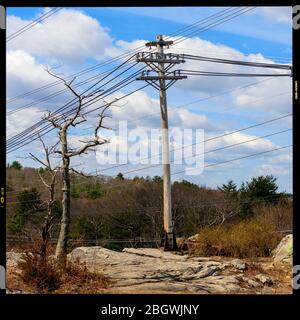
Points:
x=24, y=72
x=272, y=96
x=278, y=14
x=68, y=51
x=239, y=137
x=286, y=158
x=279, y=164
x=121, y=46
x=209, y=85
x=21, y=120
x=139, y=106
x=69, y=36
x=81, y=37
x=275, y=170
x=242, y=147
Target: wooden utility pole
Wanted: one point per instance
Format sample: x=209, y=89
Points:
x=157, y=63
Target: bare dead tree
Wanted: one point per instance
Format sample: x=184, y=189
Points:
x=226, y=208
x=52, y=171
x=63, y=123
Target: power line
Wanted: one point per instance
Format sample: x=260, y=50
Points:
x=154, y=113
x=206, y=152
x=224, y=19
x=239, y=130
x=188, y=51
x=197, y=31
x=202, y=99
x=201, y=21
x=203, y=141
x=240, y=158
x=74, y=100
x=238, y=62
x=208, y=98
x=218, y=149
x=42, y=132
x=32, y=24
x=55, y=94
x=230, y=74
x=69, y=104
x=49, y=126
x=103, y=63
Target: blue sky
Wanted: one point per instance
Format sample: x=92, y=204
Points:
x=75, y=38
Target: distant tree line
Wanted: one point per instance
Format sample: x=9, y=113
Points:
x=123, y=208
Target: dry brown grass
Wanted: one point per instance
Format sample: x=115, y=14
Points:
x=250, y=238
x=43, y=274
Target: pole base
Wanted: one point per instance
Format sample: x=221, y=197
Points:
x=168, y=242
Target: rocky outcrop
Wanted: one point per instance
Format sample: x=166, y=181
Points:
x=158, y=271
x=149, y=270
x=284, y=251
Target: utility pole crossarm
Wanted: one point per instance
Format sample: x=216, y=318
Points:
x=142, y=77
x=159, y=42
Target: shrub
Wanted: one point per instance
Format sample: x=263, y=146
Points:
x=39, y=271
x=249, y=238
x=280, y=214
x=76, y=272
x=44, y=274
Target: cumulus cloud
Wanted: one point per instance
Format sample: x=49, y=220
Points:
x=279, y=164
x=23, y=72
x=140, y=106
x=120, y=46
x=81, y=37
x=59, y=46
x=65, y=40
x=273, y=96
x=69, y=36
x=259, y=95
x=241, y=148
x=239, y=137
x=21, y=120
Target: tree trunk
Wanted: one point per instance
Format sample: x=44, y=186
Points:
x=48, y=221
x=61, y=248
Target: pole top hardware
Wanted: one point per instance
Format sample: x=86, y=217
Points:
x=159, y=42
x=173, y=58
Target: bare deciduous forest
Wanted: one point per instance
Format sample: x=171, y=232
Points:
x=117, y=212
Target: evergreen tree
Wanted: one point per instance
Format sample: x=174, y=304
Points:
x=157, y=179
x=16, y=165
x=258, y=190
x=28, y=203
x=229, y=188
x=120, y=176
